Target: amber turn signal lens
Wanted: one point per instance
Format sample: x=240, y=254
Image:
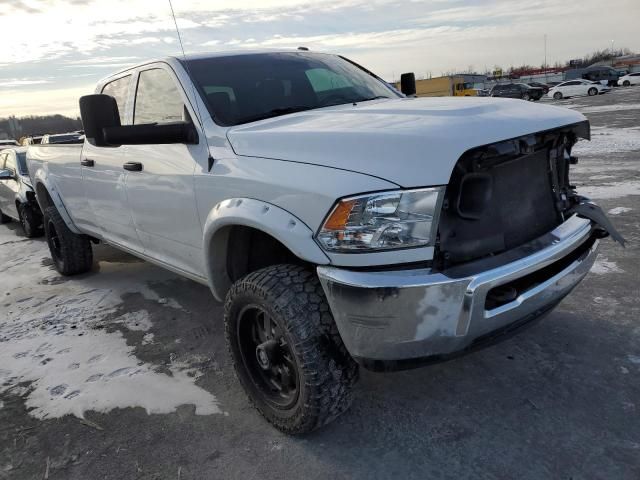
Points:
x=340, y=215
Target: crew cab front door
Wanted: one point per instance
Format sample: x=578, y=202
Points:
x=103, y=178
x=160, y=188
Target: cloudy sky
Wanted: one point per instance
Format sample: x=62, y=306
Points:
x=53, y=51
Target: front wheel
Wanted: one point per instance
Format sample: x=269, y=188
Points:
x=526, y=97
x=592, y=92
x=557, y=96
x=626, y=83
x=286, y=349
x=71, y=253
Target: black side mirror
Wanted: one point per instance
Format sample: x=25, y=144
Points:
x=98, y=112
x=151, y=134
x=102, y=128
x=408, y=84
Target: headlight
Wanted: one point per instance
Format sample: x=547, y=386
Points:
x=383, y=221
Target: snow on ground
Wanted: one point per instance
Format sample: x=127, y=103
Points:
x=605, y=140
x=606, y=108
x=611, y=190
x=603, y=266
x=619, y=210
x=53, y=338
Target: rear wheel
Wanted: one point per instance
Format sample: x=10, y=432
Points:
x=557, y=95
x=286, y=349
x=30, y=221
x=71, y=253
x=592, y=91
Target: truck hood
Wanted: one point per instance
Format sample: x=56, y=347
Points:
x=410, y=141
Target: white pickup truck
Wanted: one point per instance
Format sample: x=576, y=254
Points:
x=342, y=223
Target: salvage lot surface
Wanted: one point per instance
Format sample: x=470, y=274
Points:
x=140, y=353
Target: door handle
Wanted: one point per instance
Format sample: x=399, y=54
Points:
x=87, y=162
x=133, y=166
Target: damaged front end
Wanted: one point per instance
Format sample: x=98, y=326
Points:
x=514, y=239
x=503, y=195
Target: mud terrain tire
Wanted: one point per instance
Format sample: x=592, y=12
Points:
x=304, y=341
x=71, y=253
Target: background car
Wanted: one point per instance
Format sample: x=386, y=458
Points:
x=576, y=88
x=7, y=144
x=517, y=90
x=543, y=86
x=17, y=197
x=630, y=79
x=74, y=137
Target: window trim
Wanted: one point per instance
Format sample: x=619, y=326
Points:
x=125, y=113
x=176, y=84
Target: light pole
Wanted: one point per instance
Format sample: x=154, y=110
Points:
x=612, y=53
x=545, y=58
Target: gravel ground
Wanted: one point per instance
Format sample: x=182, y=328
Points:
x=123, y=373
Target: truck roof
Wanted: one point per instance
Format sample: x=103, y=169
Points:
x=199, y=56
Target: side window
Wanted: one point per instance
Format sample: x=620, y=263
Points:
x=119, y=89
x=158, y=99
x=323, y=80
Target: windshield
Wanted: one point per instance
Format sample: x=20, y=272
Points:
x=22, y=163
x=244, y=88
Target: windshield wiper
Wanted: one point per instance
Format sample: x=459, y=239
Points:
x=377, y=97
x=276, y=112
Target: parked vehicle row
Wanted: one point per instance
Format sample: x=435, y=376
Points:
x=342, y=224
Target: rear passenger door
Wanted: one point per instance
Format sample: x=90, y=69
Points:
x=161, y=195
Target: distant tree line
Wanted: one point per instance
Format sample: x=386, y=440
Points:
x=16, y=128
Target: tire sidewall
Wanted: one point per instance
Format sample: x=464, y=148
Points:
x=557, y=95
x=48, y=221
x=626, y=83
x=592, y=92
x=271, y=412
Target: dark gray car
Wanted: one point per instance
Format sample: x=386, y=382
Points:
x=17, y=197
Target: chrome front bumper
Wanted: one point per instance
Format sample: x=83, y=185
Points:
x=415, y=314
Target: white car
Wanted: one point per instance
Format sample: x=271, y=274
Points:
x=575, y=88
x=629, y=79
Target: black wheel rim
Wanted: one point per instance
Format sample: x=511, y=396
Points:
x=267, y=357
x=54, y=241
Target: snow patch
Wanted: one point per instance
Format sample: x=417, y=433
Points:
x=607, y=108
x=619, y=210
x=605, y=140
x=611, y=190
x=148, y=339
x=602, y=266
x=52, y=337
x=71, y=373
